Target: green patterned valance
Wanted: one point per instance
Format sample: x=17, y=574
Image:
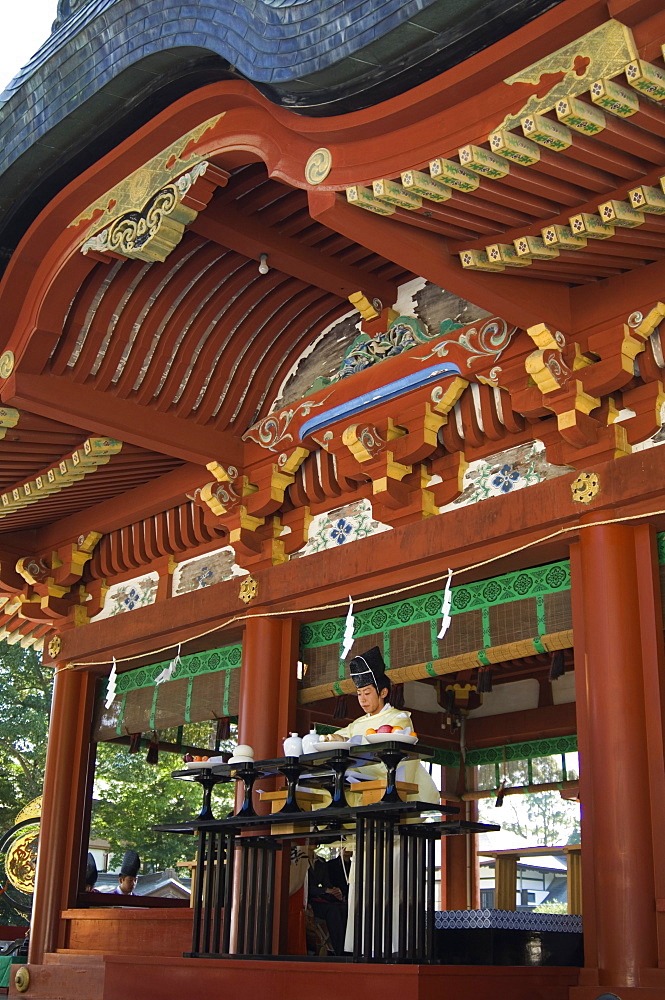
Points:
x=203, y=686
x=522, y=751
x=537, y=582
x=226, y=658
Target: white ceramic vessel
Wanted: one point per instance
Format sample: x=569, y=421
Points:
x=292, y=746
x=310, y=741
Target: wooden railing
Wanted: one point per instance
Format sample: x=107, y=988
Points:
x=505, y=873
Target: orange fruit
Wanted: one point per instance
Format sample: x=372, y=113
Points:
x=398, y=729
x=370, y=732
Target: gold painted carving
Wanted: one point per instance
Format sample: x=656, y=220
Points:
x=30, y=811
x=602, y=52
x=54, y=647
x=363, y=441
x=368, y=310
x=71, y=469
x=543, y=337
x=150, y=232
x=21, y=860
x=157, y=173
x=9, y=418
x=585, y=487
x=652, y=319
x=394, y=194
x=318, y=166
x=249, y=588
x=7, y=362
x=363, y=198
x=444, y=399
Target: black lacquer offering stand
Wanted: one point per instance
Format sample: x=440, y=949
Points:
x=322, y=763
x=234, y=889
x=391, y=754
x=204, y=777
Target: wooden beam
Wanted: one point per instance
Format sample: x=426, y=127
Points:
x=534, y=724
x=415, y=552
x=247, y=235
x=519, y=301
x=134, y=505
x=59, y=398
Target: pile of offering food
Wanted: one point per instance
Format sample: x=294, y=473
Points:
x=387, y=730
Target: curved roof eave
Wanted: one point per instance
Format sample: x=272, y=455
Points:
x=118, y=62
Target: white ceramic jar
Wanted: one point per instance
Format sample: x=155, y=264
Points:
x=310, y=741
x=292, y=746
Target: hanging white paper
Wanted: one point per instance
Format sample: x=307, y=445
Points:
x=168, y=671
x=110, y=687
x=348, y=630
x=445, y=607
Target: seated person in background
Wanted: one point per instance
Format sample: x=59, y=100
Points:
x=128, y=872
x=328, y=890
x=91, y=874
x=368, y=672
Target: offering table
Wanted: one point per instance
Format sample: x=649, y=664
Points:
x=234, y=903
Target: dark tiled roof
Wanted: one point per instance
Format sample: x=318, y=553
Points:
x=113, y=64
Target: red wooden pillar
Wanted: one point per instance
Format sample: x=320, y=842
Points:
x=267, y=684
x=615, y=791
x=267, y=711
x=460, y=868
x=59, y=855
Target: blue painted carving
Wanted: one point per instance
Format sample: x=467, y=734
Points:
x=380, y=395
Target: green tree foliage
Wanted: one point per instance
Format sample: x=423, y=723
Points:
x=132, y=796
x=25, y=700
x=540, y=817
x=553, y=907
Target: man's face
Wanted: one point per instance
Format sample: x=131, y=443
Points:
x=370, y=700
x=127, y=884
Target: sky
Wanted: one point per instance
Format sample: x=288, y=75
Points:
x=25, y=26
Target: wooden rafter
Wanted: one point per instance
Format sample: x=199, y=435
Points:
x=56, y=397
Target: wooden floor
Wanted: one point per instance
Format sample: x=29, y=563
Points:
x=115, y=977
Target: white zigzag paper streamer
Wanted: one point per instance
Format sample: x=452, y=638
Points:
x=348, y=630
x=445, y=607
x=168, y=672
x=110, y=687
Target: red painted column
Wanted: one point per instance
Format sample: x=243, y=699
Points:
x=613, y=744
x=267, y=711
x=66, y=762
x=267, y=684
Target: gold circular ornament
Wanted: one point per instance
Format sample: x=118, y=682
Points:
x=318, y=166
x=21, y=860
x=33, y=810
x=7, y=362
x=54, y=647
x=249, y=588
x=585, y=487
x=22, y=979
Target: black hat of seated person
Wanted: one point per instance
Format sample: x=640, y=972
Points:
x=368, y=669
x=130, y=864
x=91, y=873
